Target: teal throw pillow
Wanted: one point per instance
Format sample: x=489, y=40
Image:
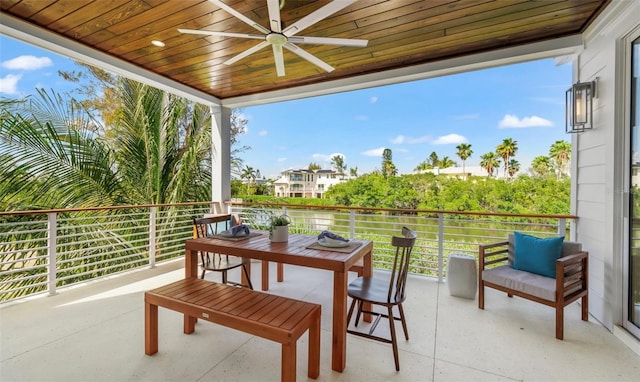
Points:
x=536, y=255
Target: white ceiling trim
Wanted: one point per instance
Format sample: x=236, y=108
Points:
x=42, y=38
x=565, y=46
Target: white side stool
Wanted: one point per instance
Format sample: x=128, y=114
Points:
x=462, y=276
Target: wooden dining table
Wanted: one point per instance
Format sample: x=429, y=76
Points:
x=301, y=250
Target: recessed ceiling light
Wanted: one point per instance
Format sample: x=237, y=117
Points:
x=157, y=43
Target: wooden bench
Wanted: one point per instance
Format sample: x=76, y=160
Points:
x=264, y=315
x=569, y=285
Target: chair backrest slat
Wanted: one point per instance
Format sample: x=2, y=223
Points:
x=206, y=226
x=404, y=246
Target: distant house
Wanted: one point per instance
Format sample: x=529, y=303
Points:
x=457, y=171
x=306, y=183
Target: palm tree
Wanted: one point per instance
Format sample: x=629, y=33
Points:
x=560, y=153
x=158, y=151
x=541, y=166
x=433, y=159
x=50, y=160
x=446, y=162
x=337, y=162
x=422, y=166
x=513, y=168
x=506, y=150
x=314, y=166
x=353, y=171
x=490, y=161
x=249, y=174
x=388, y=168
x=464, y=153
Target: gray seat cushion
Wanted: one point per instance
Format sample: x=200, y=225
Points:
x=530, y=283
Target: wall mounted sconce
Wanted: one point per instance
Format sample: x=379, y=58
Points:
x=579, y=106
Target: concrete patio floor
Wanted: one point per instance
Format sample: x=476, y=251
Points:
x=95, y=332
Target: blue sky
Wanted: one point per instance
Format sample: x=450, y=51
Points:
x=524, y=102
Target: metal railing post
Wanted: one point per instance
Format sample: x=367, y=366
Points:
x=352, y=224
x=562, y=227
x=52, y=249
x=440, y=246
x=152, y=237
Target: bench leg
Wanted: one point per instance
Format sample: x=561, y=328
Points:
x=560, y=322
x=288, y=361
x=313, y=367
x=585, y=308
x=150, y=329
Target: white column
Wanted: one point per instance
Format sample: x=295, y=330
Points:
x=220, y=157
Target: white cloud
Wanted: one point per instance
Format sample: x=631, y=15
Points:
x=9, y=84
x=327, y=158
x=262, y=133
x=374, y=152
x=280, y=160
x=361, y=117
x=400, y=139
x=373, y=99
x=450, y=139
x=27, y=63
x=513, y=122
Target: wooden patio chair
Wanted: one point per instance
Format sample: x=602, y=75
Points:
x=385, y=291
x=217, y=262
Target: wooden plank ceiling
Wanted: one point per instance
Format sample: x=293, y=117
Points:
x=400, y=33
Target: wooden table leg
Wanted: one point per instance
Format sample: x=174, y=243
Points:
x=280, y=272
x=190, y=264
x=339, y=335
x=265, y=275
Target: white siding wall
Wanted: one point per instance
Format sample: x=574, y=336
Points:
x=599, y=158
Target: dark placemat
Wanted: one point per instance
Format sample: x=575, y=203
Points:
x=231, y=238
x=348, y=249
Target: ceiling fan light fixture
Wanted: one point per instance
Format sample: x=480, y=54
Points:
x=276, y=39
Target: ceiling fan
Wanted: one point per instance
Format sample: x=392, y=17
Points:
x=278, y=37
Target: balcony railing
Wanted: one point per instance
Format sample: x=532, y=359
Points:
x=41, y=251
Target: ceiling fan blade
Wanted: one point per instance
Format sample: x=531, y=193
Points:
x=316, y=16
x=328, y=41
x=240, y=16
x=274, y=15
x=279, y=58
x=224, y=34
x=309, y=57
x=247, y=52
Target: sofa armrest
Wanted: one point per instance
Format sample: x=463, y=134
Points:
x=572, y=275
x=492, y=254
